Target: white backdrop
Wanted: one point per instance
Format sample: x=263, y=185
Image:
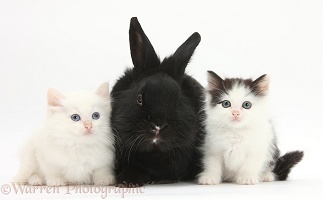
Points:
x=76, y=45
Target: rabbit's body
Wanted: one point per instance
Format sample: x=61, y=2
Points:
x=157, y=115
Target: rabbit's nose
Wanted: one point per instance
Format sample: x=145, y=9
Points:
x=157, y=128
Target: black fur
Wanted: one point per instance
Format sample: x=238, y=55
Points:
x=285, y=163
x=157, y=94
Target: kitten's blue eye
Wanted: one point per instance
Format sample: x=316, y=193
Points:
x=96, y=115
x=226, y=104
x=76, y=117
x=246, y=105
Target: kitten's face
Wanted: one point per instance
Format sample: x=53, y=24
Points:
x=85, y=113
x=82, y=114
x=238, y=107
x=236, y=102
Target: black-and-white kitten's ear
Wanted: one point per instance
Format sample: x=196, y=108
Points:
x=54, y=97
x=178, y=62
x=261, y=85
x=103, y=90
x=214, y=82
x=142, y=52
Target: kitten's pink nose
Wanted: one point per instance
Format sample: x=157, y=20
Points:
x=236, y=113
x=88, y=125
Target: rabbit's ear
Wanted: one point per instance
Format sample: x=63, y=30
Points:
x=142, y=52
x=182, y=56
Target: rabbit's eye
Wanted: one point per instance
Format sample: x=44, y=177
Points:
x=139, y=99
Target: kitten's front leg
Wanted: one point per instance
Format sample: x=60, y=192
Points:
x=248, y=174
x=268, y=176
x=36, y=179
x=55, y=181
x=103, y=176
x=53, y=174
x=212, y=170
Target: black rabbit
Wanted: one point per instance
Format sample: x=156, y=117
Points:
x=157, y=115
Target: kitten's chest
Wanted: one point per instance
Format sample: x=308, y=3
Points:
x=234, y=149
x=79, y=156
x=82, y=154
x=234, y=145
x=232, y=140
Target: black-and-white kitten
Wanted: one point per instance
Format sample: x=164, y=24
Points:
x=240, y=144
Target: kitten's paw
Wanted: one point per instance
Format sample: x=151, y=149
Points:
x=247, y=180
x=36, y=179
x=104, y=180
x=19, y=180
x=268, y=177
x=57, y=181
x=208, y=180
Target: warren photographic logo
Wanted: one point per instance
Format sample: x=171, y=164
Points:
x=103, y=191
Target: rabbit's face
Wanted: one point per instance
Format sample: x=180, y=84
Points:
x=157, y=101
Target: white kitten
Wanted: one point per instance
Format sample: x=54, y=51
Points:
x=74, y=145
x=240, y=144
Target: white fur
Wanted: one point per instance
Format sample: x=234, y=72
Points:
x=61, y=152
x=237, y=151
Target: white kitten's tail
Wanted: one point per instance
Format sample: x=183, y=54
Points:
x=285, y=163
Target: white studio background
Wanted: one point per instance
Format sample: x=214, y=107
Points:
x=76, y=45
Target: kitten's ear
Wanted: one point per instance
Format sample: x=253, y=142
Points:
x=54, y=97
x=103, y=90
x=214, y=82
x=262, y=84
